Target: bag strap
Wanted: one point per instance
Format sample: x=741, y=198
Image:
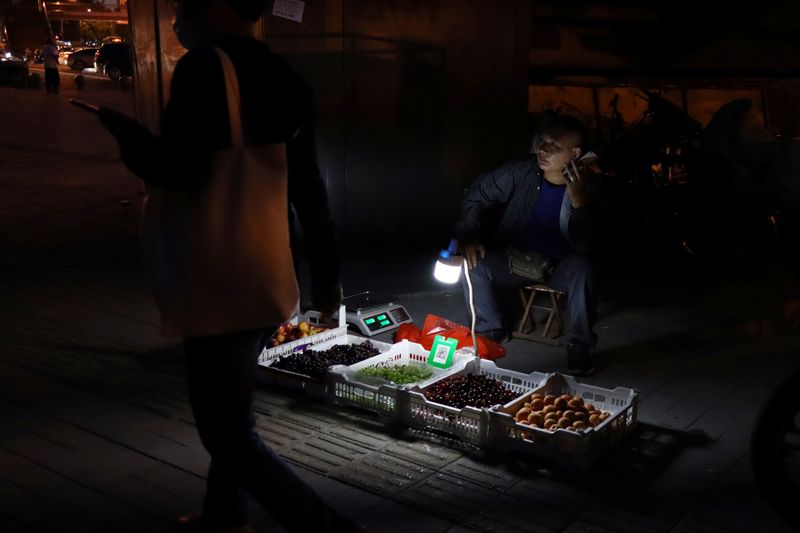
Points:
x=234, y=101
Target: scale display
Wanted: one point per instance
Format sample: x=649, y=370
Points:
x=374, y=317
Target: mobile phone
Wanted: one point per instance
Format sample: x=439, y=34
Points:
x=588, y=158
x=585, y=160
x=85, y=106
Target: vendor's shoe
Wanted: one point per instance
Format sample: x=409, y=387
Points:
x=196, y=523
x=497, y=335
x=579, y=360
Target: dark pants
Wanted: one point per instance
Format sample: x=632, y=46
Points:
x=51, y=80
x=573, y=275
x=221, y=374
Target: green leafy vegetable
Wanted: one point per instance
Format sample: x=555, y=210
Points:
x=400, y=374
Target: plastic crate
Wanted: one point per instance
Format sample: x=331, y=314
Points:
x=470, y=424
x=565, y=449
x=314, y=387
x=314, y=318
x=380, y=396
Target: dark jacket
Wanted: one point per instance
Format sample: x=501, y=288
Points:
x=511, y=191
x=276, y=108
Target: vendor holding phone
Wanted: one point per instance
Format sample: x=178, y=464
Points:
x=542, y=204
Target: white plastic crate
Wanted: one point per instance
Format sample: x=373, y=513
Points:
x=568, y=450
x=470, y=424
x=346, y=388
x=313, y=318
x=312, y=386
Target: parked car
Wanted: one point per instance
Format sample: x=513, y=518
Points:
x=13, y=70
x=81, y=58
x=115, y=60
x=63, y=53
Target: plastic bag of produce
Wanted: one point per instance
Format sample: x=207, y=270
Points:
x=408, y=332
x=436, y=325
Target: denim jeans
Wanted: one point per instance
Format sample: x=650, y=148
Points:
x=573, y=275
x=221, y=372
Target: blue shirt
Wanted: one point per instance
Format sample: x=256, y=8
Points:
x=542, y=231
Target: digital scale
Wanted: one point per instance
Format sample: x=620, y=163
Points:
x=372, y=316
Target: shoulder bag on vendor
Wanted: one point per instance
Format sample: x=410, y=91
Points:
x=218, y=256
x=532, y=265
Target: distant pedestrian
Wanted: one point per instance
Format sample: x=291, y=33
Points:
x=50, y=59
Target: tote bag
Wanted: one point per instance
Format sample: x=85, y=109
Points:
x=218, y=256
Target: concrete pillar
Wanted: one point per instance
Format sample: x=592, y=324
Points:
x=157, y=51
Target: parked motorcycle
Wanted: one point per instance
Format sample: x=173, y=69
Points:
x=651, y=171
x=671, y=184
x=775, y=449
x=756, y=176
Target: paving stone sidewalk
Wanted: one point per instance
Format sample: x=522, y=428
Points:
x=96, y=433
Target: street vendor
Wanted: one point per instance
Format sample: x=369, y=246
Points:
x=541, y=203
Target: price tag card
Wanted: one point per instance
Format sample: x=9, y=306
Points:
x=289, y=9
x=442, y=352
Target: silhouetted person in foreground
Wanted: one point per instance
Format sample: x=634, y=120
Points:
x=275, y=108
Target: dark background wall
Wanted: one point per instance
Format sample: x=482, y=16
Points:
x=413, y=100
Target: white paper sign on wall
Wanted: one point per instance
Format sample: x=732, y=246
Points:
x=289, y=9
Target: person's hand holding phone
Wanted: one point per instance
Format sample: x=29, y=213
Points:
x=126, y=129
x=85, y=105
x=135, y=140
x=120, y=125
x=576, y=173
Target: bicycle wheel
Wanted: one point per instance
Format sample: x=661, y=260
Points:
x=775, y=449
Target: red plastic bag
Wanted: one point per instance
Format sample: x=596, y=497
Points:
x=408, y=332
x=436, y=325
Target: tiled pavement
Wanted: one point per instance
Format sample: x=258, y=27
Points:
x=95, y=433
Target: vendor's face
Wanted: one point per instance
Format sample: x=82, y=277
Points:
x=554, y=152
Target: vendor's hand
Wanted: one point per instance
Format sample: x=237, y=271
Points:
x=576, y=174
x=471, y=251
x=328, y=305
